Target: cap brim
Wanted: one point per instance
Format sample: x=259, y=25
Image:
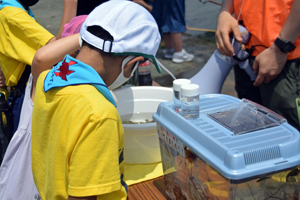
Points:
x=150, y=57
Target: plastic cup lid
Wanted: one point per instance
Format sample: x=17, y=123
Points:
x=179, y=82
x=190, y=90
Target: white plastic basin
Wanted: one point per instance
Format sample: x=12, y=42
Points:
x=137, y=104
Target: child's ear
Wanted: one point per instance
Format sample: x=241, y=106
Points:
x=129, y=65
x=132, y=62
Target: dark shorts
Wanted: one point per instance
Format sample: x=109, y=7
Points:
x=16, y=109
x=278, y=95
x=169, y=15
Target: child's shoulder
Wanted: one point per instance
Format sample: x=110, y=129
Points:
x=12, y=12
x=83, y=97
x=89, y=99
x=16, y=17
x=42, y=76
x=96, y=100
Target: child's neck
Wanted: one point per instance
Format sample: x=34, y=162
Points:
x=96, y=62
x=26, y=7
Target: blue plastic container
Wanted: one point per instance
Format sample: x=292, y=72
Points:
x=236, y=149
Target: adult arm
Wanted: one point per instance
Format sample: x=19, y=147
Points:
x=50, y=54
x=226, y=24
x=269, y=63
x=70, y=10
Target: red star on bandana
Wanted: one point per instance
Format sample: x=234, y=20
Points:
x=64, y=70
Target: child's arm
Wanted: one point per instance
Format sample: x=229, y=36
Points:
x=70, y=9
x=51, y=40
x=51, y=54
x=144, y=4
x=2, y=79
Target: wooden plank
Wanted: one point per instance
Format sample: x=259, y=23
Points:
x=149, y=190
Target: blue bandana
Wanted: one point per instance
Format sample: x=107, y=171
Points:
x=14, y=3
x=74, y=72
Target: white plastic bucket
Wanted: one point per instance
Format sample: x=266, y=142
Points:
x=137, y=104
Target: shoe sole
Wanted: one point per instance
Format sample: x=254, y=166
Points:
x=181, y=61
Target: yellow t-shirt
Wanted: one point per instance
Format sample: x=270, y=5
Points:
x=77, y=144
x=20, y=37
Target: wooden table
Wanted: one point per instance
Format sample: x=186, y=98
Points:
x=149, y=190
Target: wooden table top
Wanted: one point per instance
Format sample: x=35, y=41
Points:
x=149, y=190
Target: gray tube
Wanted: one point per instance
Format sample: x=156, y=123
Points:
x=212, y=76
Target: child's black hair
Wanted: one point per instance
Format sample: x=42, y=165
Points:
x=101, y=33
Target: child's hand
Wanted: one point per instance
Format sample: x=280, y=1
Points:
x=2, y=79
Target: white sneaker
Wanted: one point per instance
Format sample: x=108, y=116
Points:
x=179, y=57
x=168, y=53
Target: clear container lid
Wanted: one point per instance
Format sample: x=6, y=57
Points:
x=190, y=90
x=245, y=116
x=179, y=82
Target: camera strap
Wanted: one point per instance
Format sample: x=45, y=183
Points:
x=238, y=18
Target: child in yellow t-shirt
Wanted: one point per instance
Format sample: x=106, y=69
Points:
x=77, y=133
x=16, y=179
x=20, y=37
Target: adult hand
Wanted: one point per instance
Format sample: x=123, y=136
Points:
x=226, y=25
x=268, y=64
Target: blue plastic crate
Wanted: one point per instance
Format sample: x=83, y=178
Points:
x=268, y=146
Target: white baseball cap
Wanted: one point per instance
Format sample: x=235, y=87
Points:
x=132, y=27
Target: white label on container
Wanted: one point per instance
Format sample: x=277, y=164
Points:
x=171, y=140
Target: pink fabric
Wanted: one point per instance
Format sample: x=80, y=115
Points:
x=73, y=26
